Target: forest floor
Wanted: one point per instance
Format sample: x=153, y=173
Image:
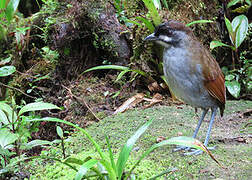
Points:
x=230, y=135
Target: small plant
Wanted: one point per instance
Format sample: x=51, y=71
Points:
x=61, y=135
x=50, y=55
x=109, y=168
x=6, y=13
x=15, y=129
x=237, y=33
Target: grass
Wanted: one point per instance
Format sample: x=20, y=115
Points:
x=168, y=121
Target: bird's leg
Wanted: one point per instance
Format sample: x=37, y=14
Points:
x=196, y=152
x=199, y=123
x=195, y=132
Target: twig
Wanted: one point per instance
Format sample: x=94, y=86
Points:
x=82, y=101
x=10, y=87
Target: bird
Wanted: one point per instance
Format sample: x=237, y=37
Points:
x=192, y=73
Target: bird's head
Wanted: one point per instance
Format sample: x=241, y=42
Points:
x=171, y=33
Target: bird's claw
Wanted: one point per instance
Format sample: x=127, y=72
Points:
x=194, y=152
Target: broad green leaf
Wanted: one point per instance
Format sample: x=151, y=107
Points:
x=234, y=88
x=12, y=116
x=230, y=30
x=37, y=106
x=125, y=152
x=3, y=118
x=7, y=138
x=215, y=44
x=84, y=168
x=11, y=9
x=116, y=67
x=153, y=11
x=59, y=131
x=37, y=142
x=233, y=2
x=147, y=23
x=7, y=70
x=199, y=22
x=240, y=27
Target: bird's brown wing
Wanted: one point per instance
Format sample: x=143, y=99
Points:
x=214, y=79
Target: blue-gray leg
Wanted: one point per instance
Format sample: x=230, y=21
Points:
x=199, y=123
x=196, y=152
x=195, y=132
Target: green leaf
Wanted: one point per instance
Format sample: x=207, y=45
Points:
x=168, y=171
x=147, y=23
x=84, y=168
x=233, y=2
x=7, y=138
x=248, y=2
x=2, y=4
x=230, y=30
x=234, y=88
x=125, y=152
x=12, y=116
x=157, y=4
x=2, y=32
x=6, y=60
x=109, y=168
x=74, y=161
x=50, y=119
x=165, y=4
x=59, y=131
x=240, y=25
x=180, y=140
x=215, y=44
x=11, y=9
x=3, y=118
x=229, y=77
x=120, y=75
x=153, y=11
x=112, y=161
x=116, y=67
x=7, y=70
x=199, y=22
x=37, y=106
x=37, y=142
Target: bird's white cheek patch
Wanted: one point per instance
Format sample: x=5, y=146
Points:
x=165, y=38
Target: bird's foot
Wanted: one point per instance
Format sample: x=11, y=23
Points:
x=180, y=148
x=192, y=150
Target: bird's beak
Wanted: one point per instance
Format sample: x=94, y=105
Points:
x=151, y=37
